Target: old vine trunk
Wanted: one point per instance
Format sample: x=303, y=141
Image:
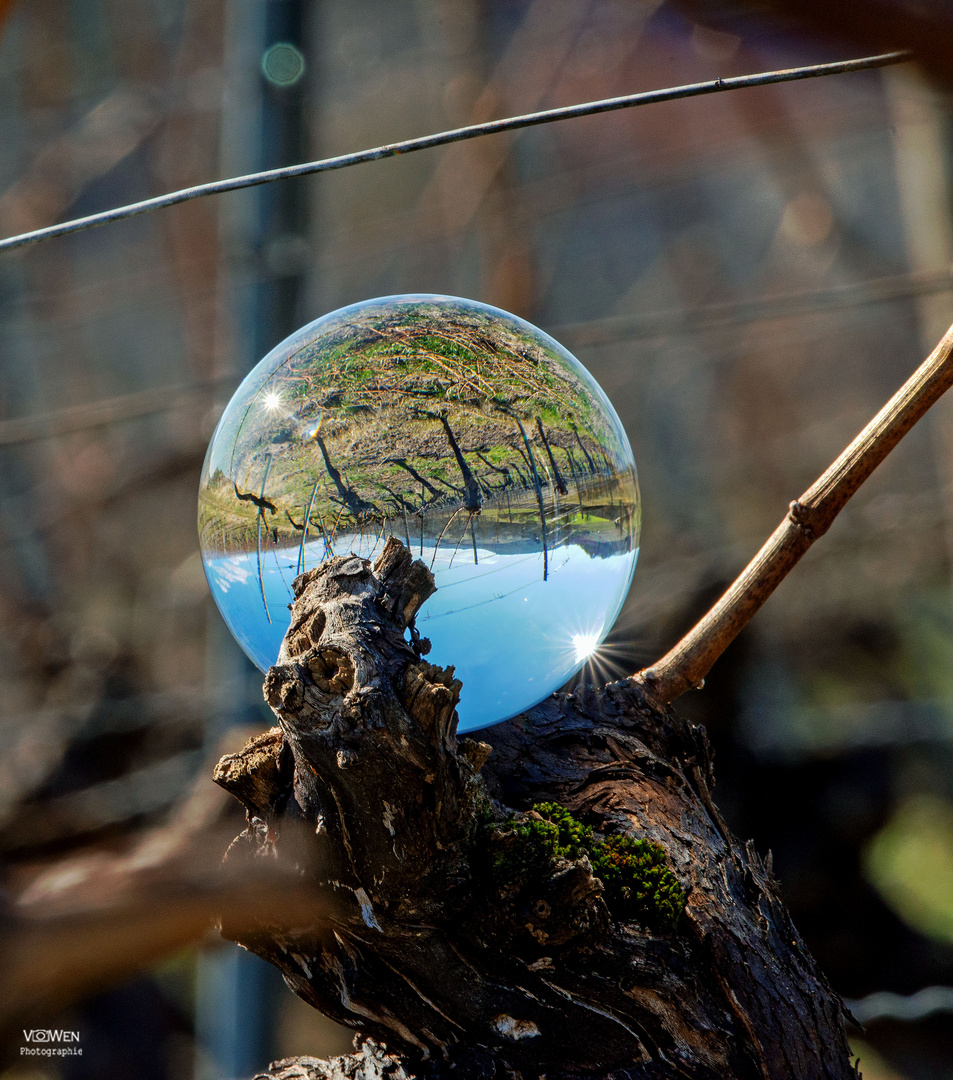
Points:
x=483, y=915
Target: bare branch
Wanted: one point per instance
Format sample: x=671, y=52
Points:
x=473, y=131
x=87, y=922
x=53, y=958
x=685, y=666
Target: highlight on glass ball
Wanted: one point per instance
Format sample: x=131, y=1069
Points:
x=469, y=434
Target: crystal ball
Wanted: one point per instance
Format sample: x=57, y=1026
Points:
x=469, y=434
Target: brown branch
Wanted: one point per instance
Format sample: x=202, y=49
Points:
x=54, y=958
x=88, y=922
x=685, y=666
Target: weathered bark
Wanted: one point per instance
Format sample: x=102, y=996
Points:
x=372, y=1062
x=461, y=962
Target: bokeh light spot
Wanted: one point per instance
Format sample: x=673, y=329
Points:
x=283, y=64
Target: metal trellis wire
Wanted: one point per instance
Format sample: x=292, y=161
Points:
x=473, y=131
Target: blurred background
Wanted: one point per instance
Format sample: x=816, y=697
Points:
x=748, y=275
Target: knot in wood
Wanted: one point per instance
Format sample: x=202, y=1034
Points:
x=801, y=515
x=332, y=670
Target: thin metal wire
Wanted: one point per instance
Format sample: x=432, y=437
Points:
x=493, y=127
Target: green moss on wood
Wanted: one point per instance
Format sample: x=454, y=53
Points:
x=572, y=837
x=638, y=882
x=521, y=849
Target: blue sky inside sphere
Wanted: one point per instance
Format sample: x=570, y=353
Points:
x=512, y=636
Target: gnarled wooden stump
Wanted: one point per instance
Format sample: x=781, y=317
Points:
x=460, y=932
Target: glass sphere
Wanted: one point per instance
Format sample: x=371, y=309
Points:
x=469, y=434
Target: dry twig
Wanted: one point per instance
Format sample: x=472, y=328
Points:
x=685, y=666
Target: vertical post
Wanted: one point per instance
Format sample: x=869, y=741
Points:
x=264, y=234
x=282, y=242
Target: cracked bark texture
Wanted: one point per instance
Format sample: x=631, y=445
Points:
x=445, y=970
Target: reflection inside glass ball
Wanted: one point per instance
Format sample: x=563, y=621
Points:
x=469, y=434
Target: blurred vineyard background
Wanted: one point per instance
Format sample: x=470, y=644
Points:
x=748, y=275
